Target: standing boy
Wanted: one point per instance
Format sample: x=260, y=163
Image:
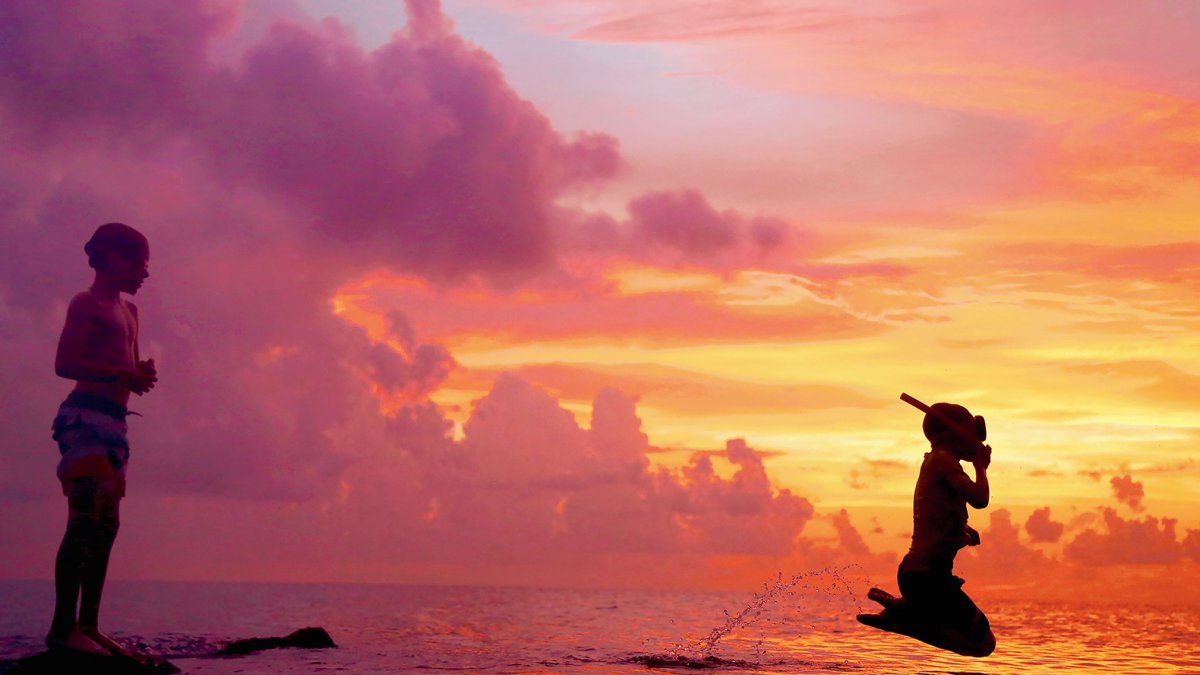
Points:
x=99, y=350
x=934, y=607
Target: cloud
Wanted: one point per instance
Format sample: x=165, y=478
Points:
x=417, y=154
x=675, y=21
x=593, y=309
x=1159, y=263
x=1085, y=98
x=1191, y=545
x=849, y=539
x=1128, y=491
x=81, y=72
x=685, y=222
x=402, y=369
x=686, y=392
x=1131, y=541
x=1001, y=554
x=1041, y=529
x=868, y=471
x=263, y=181
x=1111, y=37
x=282, y=407
x=1083, y=520
x=266, y=178
x=556, y=486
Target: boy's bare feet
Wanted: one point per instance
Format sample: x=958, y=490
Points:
x=104, y=641
x=76, y=641
x=882, y=597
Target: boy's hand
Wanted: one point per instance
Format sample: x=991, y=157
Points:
x=982, y=458
x=143, y=379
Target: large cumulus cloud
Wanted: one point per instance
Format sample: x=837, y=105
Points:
x=537, y=477
x=265, y=179
x=419, y=152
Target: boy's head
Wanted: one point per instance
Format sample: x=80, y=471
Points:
x=115, y=238
x=120, y=252
x=941, y=435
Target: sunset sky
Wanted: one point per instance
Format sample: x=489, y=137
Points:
x=606, y=292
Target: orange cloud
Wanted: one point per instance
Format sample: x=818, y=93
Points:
x=1128, y=492
x=1041, y=529
x=1131, y=541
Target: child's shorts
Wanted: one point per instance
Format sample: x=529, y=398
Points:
x=94, y=499
x=91, y=434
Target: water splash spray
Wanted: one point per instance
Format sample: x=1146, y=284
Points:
x=827, y=579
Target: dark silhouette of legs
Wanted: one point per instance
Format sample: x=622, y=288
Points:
x=82, y=561
x=935, y=597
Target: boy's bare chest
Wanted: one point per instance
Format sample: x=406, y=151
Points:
x=113, y=327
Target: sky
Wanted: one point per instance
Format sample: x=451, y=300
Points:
x=611, y=293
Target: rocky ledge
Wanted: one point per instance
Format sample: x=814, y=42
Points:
x=60, y=662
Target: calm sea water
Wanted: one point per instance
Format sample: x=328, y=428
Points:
x=809, y=628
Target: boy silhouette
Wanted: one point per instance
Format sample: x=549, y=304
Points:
x=934, y=607
x=99, y=350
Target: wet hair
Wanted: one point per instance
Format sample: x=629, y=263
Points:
x=933, y=426
x=116, y=238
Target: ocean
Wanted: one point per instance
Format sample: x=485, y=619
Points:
x=804, y=627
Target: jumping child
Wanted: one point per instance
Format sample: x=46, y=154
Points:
x=99, y=350
x=934, y=607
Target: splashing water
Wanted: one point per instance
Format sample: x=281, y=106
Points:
x=699, y=653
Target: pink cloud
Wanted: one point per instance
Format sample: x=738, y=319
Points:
x=418, y=154
x=685, y=222
x=1109, y=35
x=1128, y=491
x=264, y=180
x=1077, y=77
x=849, y=539
x=1126, y=542
x=83, y=72
x=405, y=369
x=556, y=485
x=1041, y=529
x=117, y=112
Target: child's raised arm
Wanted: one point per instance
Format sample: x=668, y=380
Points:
x=976, y=492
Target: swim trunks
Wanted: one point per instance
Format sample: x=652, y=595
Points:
x=91, y=435
x=936, y=595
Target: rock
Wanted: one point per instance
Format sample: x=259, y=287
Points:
x=305, y=638
x=61, y=662
x=68, y=663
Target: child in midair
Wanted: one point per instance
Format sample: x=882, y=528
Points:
x=933, y=599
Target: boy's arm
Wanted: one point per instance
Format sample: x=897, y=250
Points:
x=977, y=493
x=144, y=367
